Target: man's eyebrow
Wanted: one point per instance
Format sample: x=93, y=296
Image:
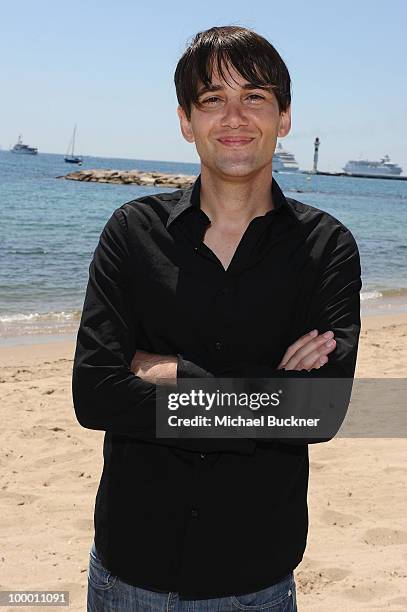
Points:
x=214, y=87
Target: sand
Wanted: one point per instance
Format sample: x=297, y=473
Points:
x=356, y=558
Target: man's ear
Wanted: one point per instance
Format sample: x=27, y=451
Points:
x=285, y=122
x=185, y=125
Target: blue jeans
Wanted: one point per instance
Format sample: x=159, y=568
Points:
x=107, y=593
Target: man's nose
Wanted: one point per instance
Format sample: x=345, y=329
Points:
x=234, y=115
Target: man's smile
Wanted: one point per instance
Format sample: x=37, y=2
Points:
x=235, y=142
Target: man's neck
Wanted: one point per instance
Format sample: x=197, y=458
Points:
x=233, y=202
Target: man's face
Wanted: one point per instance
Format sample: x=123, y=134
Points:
x=230, y=113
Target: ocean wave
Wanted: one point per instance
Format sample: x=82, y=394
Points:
x=370, y=295
x=383, y=293
x=33, y=251
x=73, y=315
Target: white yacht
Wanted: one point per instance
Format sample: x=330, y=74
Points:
x=23, y=149
x=283, y=161
x=364, y=167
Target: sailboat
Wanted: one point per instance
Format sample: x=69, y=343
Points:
x=70, y=158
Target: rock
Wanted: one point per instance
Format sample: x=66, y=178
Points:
x=135, y=177
x=147, y=180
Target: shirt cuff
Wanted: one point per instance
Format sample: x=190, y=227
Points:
x=188, y=369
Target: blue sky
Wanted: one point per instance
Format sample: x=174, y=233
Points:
x=109, y=67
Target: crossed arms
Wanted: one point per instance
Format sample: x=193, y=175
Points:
x=114, y=385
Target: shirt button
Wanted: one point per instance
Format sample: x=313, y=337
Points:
x=194, y=513
x=218, y=345
x=203, y=455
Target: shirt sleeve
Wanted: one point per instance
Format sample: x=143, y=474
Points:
x=106, y=394
x=334, y=305
x=189, y=369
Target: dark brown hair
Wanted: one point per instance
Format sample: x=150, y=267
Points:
x=252, y=56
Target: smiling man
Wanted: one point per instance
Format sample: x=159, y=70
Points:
x=228, y=278
x=234, y=124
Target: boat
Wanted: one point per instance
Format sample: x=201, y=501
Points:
x=23, y=149
x=364, y=167
x=283, y=161
x=70, y=157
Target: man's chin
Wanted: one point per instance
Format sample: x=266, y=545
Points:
x=238, y=169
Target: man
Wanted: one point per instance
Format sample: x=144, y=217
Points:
x=226, y=278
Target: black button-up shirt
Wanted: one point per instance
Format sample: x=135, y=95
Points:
x=205, y=517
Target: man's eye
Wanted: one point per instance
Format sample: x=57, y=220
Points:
x=214, y=98
x=256, y=96
x=209, y=99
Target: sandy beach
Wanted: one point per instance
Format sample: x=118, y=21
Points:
x=356, y=557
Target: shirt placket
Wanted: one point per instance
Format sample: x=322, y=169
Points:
x=244, y=257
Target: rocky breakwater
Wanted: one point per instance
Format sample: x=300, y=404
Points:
x=129, y=177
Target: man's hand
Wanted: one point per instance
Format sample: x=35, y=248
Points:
x=308, y=352
x=152, y=367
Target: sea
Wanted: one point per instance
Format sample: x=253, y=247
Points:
x=50, y=227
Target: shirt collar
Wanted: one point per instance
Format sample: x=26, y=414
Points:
x=190, y=199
